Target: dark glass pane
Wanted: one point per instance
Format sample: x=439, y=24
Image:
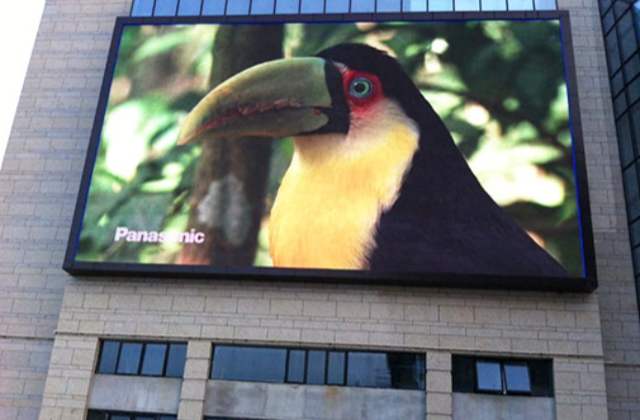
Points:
x=337, y=6
x=287, y=6
x=262, y=7
x=142, y=8
x=624, y=140
x=636, y=258
x=144, y=418
x=541, y=375
x=363, y=6
x=312, y=6
x=634, y=117
x=316, y=365
x=627, y=36
x=166, y=8
x=96, y=415
x=635, y=232
x=153, y=360
x=213, y=7
x=620, y=8
x=176, y=360
x=633, y=90
x=607, y=21
x=167, y=418
x=617, y=83
x=336, y=368
x=605, y=4
x=467, y=5
x=520, y=4
x=388, y=5
x=545, y=4
x=613, y=54
x=129, y=361
x=619, y=105
x=517, y=378
x=295, y=372
x=463, y=373
x=237, y=7
x=108, y=357
x=119, y=417
x=248, y=364
x=491, y=5
x=632, y=68
x=440, y=5
x=632, y=194
x=368, y=370
x=415, y=5
x=189, y=7
x=407, y=371
x=488, y=376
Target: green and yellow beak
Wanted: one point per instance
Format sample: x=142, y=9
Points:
x=276, y=99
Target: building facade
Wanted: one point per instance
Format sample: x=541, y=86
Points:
x=54, y=364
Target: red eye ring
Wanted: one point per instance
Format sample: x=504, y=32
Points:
x=361, y=88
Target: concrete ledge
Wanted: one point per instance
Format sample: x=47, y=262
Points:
x=135, y=393
x=498, y=407
x=294, y=402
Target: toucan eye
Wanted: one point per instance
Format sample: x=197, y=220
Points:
x=360, y=88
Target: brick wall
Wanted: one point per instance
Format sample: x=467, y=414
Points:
x=38, y=187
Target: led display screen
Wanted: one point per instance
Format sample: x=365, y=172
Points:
x=400, y=152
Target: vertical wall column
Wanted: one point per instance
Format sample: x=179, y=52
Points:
x=66, y=393
x=196, y=374
x=439, y=388
x=580, y=389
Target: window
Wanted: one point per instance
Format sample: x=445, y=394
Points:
x=502, y=376
x=114, y=415
x=516, y=377
x=319, y=367
x=316, y=367
x=239, y=363
x=385, y=370
x=129, y=360
x=488, y=377
x=336, y=369
x=142, y=8
x=143, y=359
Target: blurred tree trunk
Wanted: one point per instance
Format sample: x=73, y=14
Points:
x=228, y=196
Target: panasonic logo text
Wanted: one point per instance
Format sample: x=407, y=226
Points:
x=190, y=237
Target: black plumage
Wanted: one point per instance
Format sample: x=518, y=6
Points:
x=443, y=220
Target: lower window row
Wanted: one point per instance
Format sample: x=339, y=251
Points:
x=368, y=369
x=117, y=415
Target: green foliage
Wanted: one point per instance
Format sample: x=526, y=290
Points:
x=141, y=180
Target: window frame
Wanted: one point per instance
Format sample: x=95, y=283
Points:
x=419, y=357
x=506, y=382
x=500, y=372
x=503, y=377
x=143, y=353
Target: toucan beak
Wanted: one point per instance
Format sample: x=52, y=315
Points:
x=275, y=99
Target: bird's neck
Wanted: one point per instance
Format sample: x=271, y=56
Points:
x=332, y=195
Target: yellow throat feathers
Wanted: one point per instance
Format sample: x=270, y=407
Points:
x=328, y=206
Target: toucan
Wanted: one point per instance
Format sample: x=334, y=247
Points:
x=376, y=181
